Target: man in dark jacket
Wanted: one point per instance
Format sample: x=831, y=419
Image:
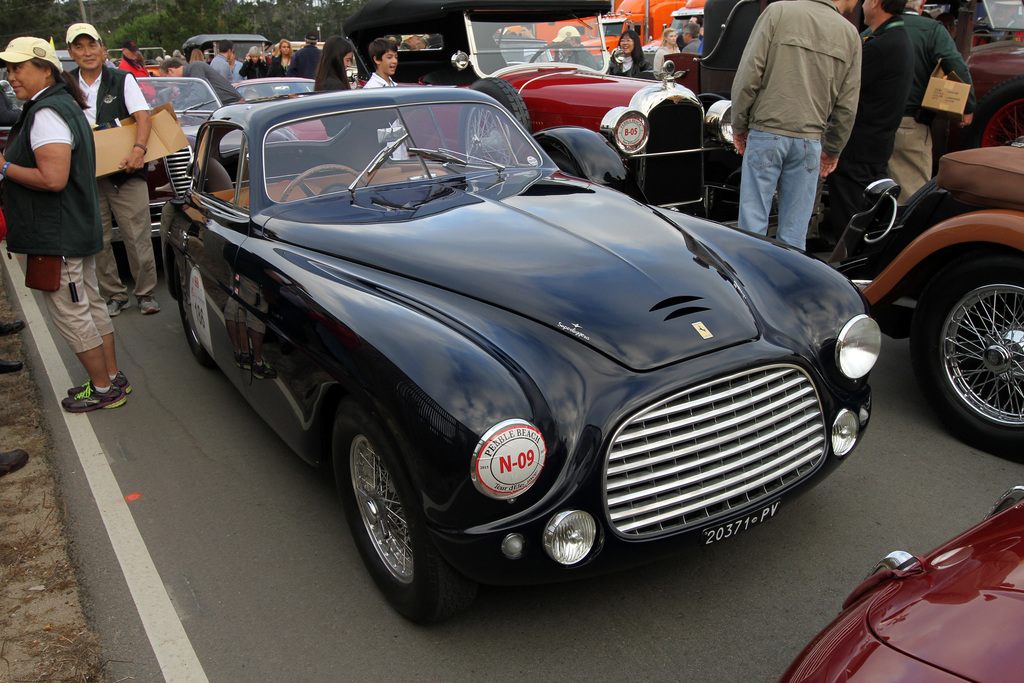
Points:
x=911, y=162
x=112, y=95
x=305, y=60
x=887, y=70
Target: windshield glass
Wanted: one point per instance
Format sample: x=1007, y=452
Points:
x=499, y=44
x=258, y=89
x=373, y=147
x=1003, y=15
x=191, y=94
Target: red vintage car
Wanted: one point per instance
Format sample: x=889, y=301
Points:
x=668, y=146
x=996, y=62
x=952, y=615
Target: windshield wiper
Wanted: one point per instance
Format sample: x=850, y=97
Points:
x=452, y=156
x=196, y=106
x=377, y=161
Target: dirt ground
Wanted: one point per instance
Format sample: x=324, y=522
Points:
x=44, y=635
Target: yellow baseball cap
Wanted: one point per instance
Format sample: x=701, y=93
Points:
x=23, y=49
x=82, y=29
x=566, y=32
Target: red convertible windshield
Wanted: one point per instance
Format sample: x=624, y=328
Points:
x=501, y=44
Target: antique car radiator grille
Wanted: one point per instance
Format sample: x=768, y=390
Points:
x=710, y=450
x=177, y=171
x=676, y=178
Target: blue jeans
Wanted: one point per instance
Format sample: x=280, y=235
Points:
x=790, y=165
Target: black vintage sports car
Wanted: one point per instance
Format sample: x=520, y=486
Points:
x=518, y=376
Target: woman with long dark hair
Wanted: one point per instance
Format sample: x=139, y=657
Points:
x=53, y=213
x=635, y=61
x=332, y=71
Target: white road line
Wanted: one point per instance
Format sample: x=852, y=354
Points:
x=174, y=652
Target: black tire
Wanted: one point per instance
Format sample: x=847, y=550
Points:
x=507, y=96
x=1006, y=101
x=967, y=350
x=185, y=310
x=396, y=548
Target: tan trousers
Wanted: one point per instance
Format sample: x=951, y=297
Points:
x=911, y=162
x=129, y=204
x=82, y=323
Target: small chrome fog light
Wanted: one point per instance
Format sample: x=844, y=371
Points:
x=844, y=432
x=512, y=546
x=569, y=536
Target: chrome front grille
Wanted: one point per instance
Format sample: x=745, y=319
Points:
x=177, y=170
x=707, y=451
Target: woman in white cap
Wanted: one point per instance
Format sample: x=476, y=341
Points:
x=52, y=208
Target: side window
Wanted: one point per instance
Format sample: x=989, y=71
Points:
x=223, y=170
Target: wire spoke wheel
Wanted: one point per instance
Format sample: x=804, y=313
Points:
x=381, y=509
x=486, y=137
x=983, y=352
x=1005, y=126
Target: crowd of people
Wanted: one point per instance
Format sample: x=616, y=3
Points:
x=814, y=100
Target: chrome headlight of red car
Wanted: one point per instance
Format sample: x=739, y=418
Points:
x=718, y=122
x=627, y=127
x=857, y=347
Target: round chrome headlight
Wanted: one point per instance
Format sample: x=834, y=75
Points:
x=569, y=536
x=858, y=346
x=844, y=432
x=627, y=127
x=718, y=122
x=508, y=459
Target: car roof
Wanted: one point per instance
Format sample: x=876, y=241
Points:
x=385, y=13
x=268, y=113
x=233, y=37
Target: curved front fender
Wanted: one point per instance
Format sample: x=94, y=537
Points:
x=995, y=226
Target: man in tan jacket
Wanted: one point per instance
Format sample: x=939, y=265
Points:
x=794, y=100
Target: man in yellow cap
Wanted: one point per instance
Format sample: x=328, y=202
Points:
x=112, y=95
x=570, y=48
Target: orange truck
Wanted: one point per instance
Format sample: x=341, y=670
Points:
x=633, y=14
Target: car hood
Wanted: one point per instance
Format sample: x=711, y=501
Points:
x=961, y=613
x=603, y=269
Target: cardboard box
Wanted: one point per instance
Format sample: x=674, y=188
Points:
x=114, y=144
x=946, y=94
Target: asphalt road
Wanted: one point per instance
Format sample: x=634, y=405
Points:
x=250, y=546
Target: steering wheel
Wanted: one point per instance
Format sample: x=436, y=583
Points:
x=300, y=180
x=558, y=47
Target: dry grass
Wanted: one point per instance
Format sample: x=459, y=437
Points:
x=43, y=632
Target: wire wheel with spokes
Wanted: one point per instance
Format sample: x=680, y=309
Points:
x=380, y=509
x=983, y=352
x=387, y=521
x=967, y=348
x=484, y=136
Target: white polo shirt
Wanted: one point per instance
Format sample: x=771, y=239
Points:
x=48, y=127
x=133, y=97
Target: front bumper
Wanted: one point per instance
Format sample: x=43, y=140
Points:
x=478, y=554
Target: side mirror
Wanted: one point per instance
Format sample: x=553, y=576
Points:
x=618, y=56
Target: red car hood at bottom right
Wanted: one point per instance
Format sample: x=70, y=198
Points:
x=955, y=614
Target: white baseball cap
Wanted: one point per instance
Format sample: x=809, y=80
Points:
x=566, y=32
x=82, y=29
x=25, y=48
